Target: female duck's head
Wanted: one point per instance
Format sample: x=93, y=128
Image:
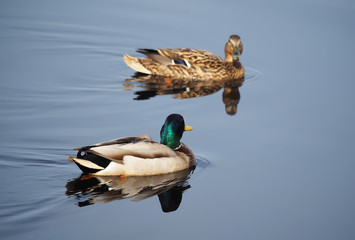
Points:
x=233, y=49
x=172, y=130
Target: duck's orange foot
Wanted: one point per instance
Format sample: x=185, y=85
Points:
x=86, y=177
x=168, y=81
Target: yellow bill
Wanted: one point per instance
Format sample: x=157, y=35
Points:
x=188, y=128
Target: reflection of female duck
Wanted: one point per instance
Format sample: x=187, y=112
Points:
x=93, y=189
x=191, y=63
x=184, y=89
x=139, y=156
x=231, y=97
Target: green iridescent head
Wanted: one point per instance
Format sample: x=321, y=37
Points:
x=172, y=130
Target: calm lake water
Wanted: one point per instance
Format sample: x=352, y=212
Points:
x=275, y=155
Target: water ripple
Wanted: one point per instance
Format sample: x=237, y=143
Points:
x=251, y=74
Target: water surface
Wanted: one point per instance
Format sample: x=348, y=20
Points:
x=278, y=165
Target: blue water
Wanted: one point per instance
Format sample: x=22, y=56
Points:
x=279, y=166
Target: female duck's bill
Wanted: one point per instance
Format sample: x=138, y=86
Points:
x=139, y=156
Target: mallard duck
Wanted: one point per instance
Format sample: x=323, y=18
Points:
x=139, y=156
x=188, y=63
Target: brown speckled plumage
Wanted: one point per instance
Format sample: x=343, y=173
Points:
x=188, y=63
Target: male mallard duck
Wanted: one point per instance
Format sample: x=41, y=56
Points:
x=139, y=156
x=191, y=63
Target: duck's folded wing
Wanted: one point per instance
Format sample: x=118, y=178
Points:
x=155, y=55
x=187, y=54
x=118, y=141
x=139, y=147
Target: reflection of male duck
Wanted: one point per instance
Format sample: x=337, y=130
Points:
x=185, y=89
x=185, y=63
x=91, y=189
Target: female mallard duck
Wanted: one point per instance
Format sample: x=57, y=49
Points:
x=191, y=63
x=139, y=156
